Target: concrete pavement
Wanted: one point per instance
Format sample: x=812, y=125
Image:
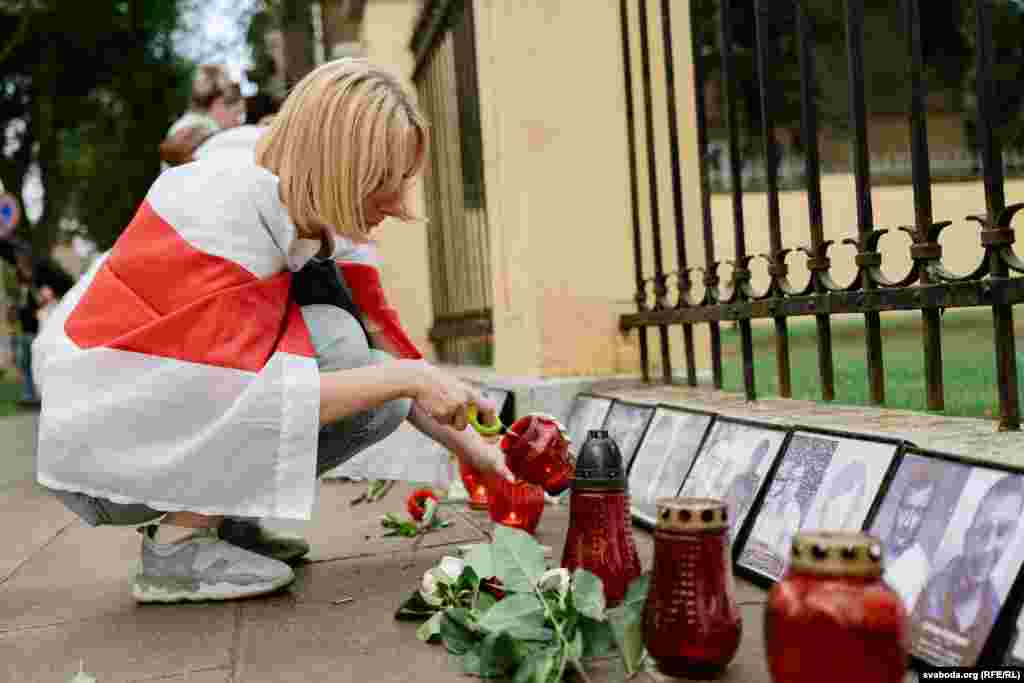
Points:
x=65, y=602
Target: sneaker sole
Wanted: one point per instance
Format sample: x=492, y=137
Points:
x=149, y=591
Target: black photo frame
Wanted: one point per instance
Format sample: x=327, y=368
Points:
x=664, y=456
x=824, y=479
x=626, y=423
x=968, y=502
x=588, y=412
x=734, y=464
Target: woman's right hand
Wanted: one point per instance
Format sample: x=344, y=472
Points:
x=445, y=398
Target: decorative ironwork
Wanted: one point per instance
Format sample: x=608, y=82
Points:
x=929, y=286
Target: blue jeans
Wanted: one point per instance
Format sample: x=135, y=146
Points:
x=21, y=345
x=340, y=344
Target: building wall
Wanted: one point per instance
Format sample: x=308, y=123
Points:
x=386, y=30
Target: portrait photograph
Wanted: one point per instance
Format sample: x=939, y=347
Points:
x=824, y=481
x=912, y=519
x=1015, y=652
x=733, y=465
x=588, y=412
x=664, y=457
x=626, y=424
x=972, y=570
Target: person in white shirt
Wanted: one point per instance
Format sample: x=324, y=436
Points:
x=217, y=104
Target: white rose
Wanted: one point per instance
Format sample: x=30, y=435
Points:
x=429, y=588
x=451, y=569
x=555, y=579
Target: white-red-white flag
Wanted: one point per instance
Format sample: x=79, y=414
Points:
x=178, y=372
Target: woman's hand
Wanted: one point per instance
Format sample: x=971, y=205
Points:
x=445, y=398
x=486, y=458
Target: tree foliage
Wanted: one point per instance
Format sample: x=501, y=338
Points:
x=87, y=92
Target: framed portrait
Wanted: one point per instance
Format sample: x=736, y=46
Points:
x=954, y=545
x=823, y=480
x=664, y=457
x=588, y=412
x=733, y=465
x=626, y=424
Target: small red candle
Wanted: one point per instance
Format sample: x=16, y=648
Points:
x=692, y=624
x=518, y=504
x=833, y=616
x=475, y=481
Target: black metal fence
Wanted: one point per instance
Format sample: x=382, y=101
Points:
x=446, y=79
x=929, y=286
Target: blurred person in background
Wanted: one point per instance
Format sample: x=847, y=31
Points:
x=41, y=283
x=217, y=105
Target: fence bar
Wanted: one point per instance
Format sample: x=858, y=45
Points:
x=741, y=273
x=992, y=159
x=920, y=168
x=641, y=294
x=711, y=266
x=765, y=53
x=660, y=287
x=862, y=175
x=966, y=294
x=818, y=261
x=677, y=190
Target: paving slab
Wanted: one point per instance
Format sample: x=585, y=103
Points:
x=302, y=635
x=84, y=573
x=147, y=643
x=31, y=519
x=340, y=530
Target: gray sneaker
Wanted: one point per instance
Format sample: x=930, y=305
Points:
x=254, y=537
x=203, y=567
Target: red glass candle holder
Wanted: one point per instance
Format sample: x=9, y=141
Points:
x=832, y=615
x=600, y=540
x=691, y=623
x=537, y=450
x=517, y=504
x=475, y=481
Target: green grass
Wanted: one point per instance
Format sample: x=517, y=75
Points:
x=968, y=361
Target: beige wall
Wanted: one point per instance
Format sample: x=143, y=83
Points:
x=387, y=27
x=557, y=184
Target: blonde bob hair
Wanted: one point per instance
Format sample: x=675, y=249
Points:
x=346, y=130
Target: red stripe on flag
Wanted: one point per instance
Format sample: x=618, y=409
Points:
x=157, y=294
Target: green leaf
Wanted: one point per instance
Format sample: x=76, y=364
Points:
x=540, y=668
x=415, y=608
x=471, y=662
x=636, y=594
x=431, y=628
x=518, y=559
x=517, y=610
x=575, y=650
x=627, y=623
x=457, y=637
x=481, y=559
x=468, y=580
x=588, y=594
x=497, y=655
x=598, y=640
x=484, y=602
